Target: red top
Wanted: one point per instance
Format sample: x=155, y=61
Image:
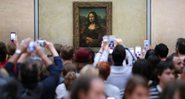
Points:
x=2, y=64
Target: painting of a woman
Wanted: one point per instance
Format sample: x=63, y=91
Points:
x=92, y=35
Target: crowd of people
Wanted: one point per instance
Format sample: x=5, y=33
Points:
x=55, y=71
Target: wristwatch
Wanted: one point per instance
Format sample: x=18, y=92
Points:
x=18, y=51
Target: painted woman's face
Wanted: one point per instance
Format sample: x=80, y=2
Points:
x=91, y=17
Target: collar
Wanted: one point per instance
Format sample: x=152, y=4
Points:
x=159, y=88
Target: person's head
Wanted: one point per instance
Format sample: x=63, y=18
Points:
x=180, y=46
x=136, y=88
x=3, y=51
x=89, y=70
x=149, y=52
x=93, y=55
x=30, y=71
x=174, y=90
x=70, y=67
x=92, y=17
x=118, y=55
x=178, y=64
x=165, y=72
x=8, y=89
x=69, y=79
x=141, y=68
x=11, y=47
x=67, y=52
x=104, y=69
x=161, y=50
x=58, y=48
x=86, y=87
x=153, y=61
x=82, y=57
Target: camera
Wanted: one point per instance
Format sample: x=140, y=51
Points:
x=41, y=43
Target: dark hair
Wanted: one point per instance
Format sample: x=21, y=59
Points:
x=153, y=61
x=58, y=48
x=162, y=66
x=30, y=71
x=170, y=57
x=8, y=88
x=180, y=45
x=161, y=50
x=81, y=84
x=67, y=52
x=132, y=83
x=172, y=88
x=149, y=52
x=141, y=68
x=118, y=55
x=104, y=69
x=95, y=18
x=3, y=51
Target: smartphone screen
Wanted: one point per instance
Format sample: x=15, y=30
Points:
x=146, y=44
x=111, y=98
x=12, y=36
x=112, y=42
x=138, y=51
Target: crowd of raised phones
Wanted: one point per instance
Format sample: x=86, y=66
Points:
x=56, y=71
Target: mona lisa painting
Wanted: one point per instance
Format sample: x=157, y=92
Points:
x=92, y=20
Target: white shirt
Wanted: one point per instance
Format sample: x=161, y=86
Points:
x=62, y=92
x=159, y=88
x=101, y=57
x=112, y=91
x=119, y=76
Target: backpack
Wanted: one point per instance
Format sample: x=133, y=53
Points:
x=35, y=93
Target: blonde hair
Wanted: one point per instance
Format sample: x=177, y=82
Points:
x=89, y=70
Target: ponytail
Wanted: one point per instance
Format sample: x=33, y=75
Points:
x=69, y=79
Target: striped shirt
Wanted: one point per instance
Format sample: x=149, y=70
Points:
x=155, y=92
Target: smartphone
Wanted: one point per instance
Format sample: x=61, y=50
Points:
x=12, y=36
x=138, y=51
x=112, y=43
x=41, y=43
x=31, y=46
x=146, y=44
